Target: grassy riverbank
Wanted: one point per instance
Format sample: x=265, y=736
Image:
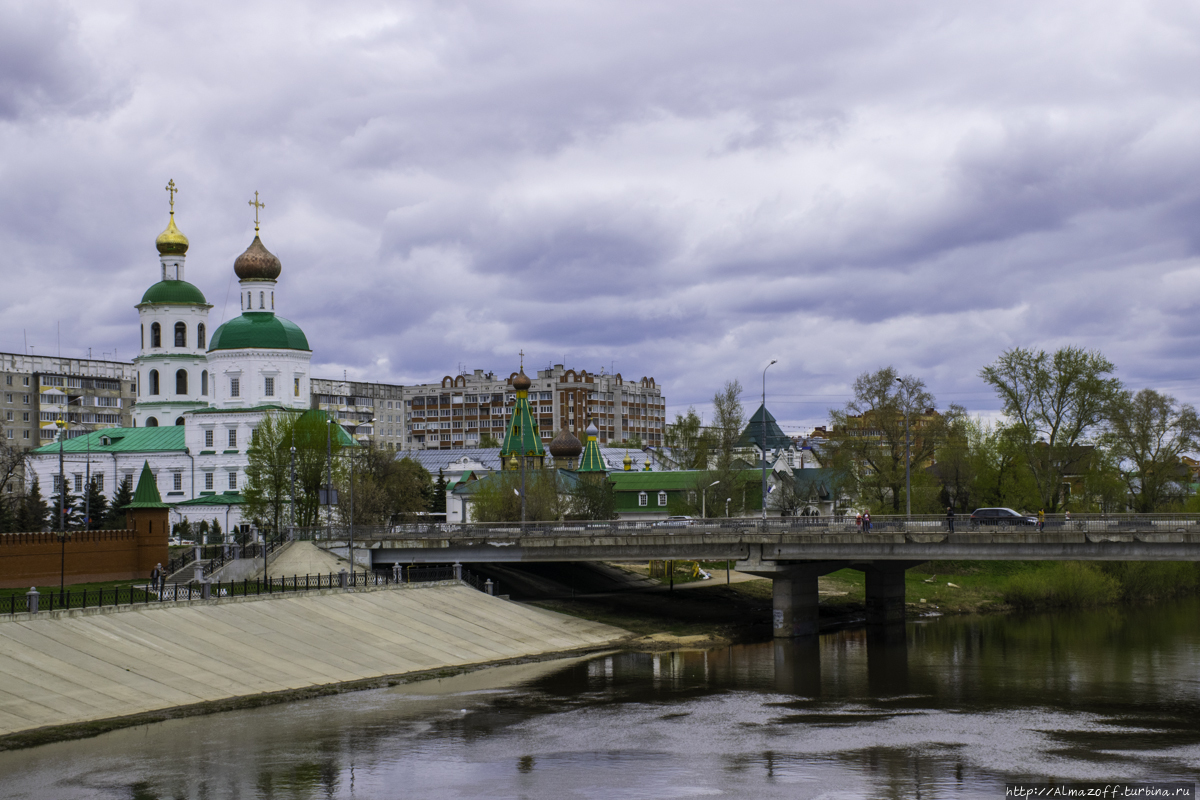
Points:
x=714, y=612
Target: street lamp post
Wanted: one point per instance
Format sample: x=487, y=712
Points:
x=352, y=458
x=62, y=511
x=907, y=452
x=703, y=500
x=764, y=443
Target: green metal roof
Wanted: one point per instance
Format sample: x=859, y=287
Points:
x=258, y=329
x=223, y=499
x=633, y=481
x=522, y=437
x=122, y=440
x=146, y=495
x=174, y=293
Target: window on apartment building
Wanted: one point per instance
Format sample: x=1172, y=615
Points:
x=25, y=381
x=233, y=480
x=177, y=481
x=643, y=499
x=233, y=437
x=24, y=399
x=208, y=440
x=208, y=481
x=8, y=416
x=8, y=380
x=8, y=398
x=24, y=434
x=9, y=433
x=235, y=387
x=269, y=387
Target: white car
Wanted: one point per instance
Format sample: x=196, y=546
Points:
x=675, y=522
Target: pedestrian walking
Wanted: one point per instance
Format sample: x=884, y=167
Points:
x=866, y=522
x=1041, y=520
x=858, y=522
x=155, y=576
x=950, y=519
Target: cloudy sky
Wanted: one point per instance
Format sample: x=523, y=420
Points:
x=683, y=190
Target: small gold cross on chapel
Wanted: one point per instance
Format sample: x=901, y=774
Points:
x=172, y=190
x=257, y=205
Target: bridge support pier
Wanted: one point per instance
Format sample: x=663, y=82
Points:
x=885, y=591
x=795, y=612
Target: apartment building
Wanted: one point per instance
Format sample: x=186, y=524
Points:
x=368, y=411
x=459, y=410
x=36, y=391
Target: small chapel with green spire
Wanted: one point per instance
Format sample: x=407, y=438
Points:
x=522, y=440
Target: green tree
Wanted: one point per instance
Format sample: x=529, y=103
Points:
x=32, y=511
x=688, y=441
x=1147, y=432
x=13, y=462
x=116, y=510
x=439, y=494
x=8, y=515
x=67, y=501
x=96, y=506
x=1053, y=402
x=385, y=489
x=487, y=440
x=498, y=497
x=869, y=436
x=268, y=489
x=217, y=536
x=592, y=497
x=729, y=418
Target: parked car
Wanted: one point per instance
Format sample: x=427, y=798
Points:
x=1000, y=516
x=675, y=522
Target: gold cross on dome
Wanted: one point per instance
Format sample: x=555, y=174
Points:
x=171, y=189
x=522, y=360
x=257, y=205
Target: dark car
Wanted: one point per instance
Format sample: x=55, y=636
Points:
x=999, y=516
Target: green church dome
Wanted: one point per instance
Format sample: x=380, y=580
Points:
x=174, y=293
x=261, y=330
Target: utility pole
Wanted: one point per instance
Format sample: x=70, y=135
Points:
x=764, y=444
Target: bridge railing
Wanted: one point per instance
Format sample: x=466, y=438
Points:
x=916, y=524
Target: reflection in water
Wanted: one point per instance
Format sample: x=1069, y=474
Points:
x=950, y=708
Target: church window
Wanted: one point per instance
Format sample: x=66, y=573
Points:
x=204, y=380
x=269, y=387
x=208, y=481
x=233, y=480
x=208, y=439
x=153, y=381
x=261, y=300
x=155, y=335
x=272, y=301
x=143, y=336
x=181, y=382
x=662, y=498
x=643, y=499
x=151, y=422
x=233, y=437
x=296, y=387
x=179, y=422
x=180, y=334
x=235, y=387
x=200, y=335
x=177, y=481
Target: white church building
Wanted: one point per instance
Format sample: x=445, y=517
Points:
x=200, y=394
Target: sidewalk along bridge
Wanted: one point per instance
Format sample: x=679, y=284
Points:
x=791, y=551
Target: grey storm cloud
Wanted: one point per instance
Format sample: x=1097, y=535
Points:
x=682, y=190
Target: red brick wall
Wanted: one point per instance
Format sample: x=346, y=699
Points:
x=35, y=559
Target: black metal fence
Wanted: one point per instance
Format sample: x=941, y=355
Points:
x=182, y=592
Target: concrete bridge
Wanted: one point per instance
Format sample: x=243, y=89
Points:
x=793, y=553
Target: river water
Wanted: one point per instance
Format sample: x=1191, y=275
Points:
x=948, y=707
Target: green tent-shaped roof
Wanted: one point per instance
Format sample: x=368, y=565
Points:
x=752, y=434
x=147, y=495
x=591, y=460
x=522, y=437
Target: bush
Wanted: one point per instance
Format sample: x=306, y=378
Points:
x=1062, y=584
x=1151, y=580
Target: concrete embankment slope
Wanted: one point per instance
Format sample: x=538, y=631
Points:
x=73, y=668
